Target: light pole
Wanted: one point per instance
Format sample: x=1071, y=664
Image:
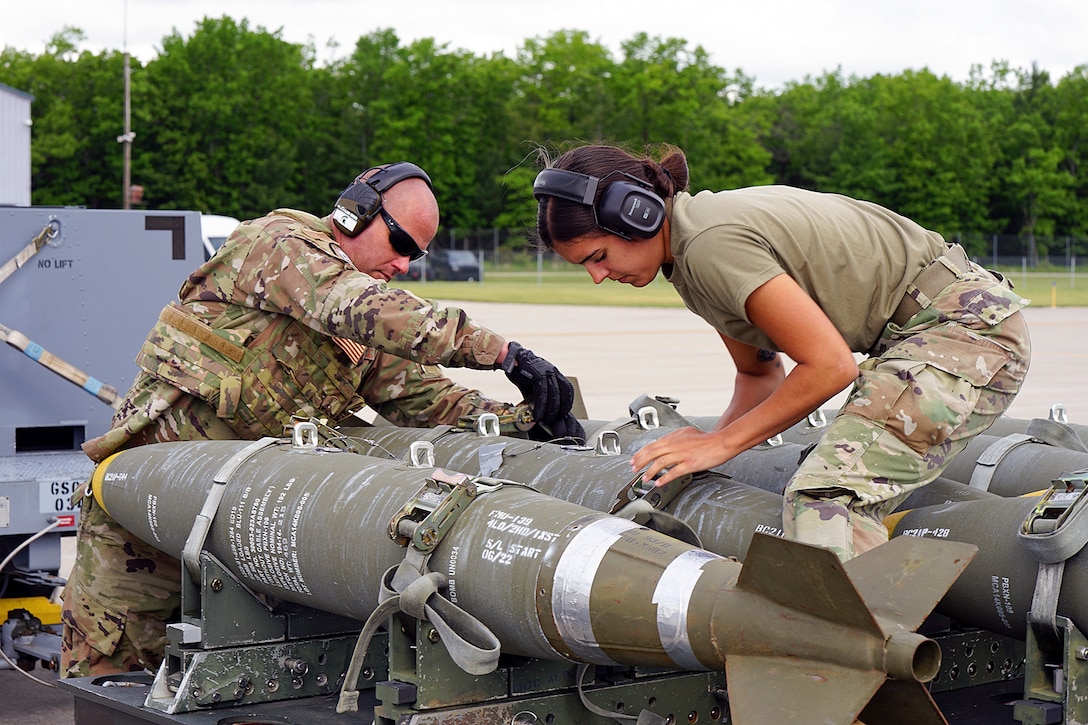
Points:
x=127, y=137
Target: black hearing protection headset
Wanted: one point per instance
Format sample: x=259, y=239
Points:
x=627, y=208
x=359, y=203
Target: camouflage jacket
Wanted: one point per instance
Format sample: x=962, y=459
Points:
x=279, y=324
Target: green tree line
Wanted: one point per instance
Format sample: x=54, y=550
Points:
x=235, y=120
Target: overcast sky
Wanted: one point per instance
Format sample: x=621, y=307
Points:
x=773, y=41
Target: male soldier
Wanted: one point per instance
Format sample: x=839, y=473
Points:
x=291, y=318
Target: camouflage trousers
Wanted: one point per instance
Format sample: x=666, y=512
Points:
x=926, y=390
x=119, y=596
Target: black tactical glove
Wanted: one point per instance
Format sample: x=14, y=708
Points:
x=566, y=431
x=542, y=385
x=567, y=427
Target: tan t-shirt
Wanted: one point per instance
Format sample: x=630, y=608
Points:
x=852, y=257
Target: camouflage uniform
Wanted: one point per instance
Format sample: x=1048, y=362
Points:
x=931, y=382
x=927, y=389
x=278, y=324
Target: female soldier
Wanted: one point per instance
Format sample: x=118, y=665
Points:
x=817, y=277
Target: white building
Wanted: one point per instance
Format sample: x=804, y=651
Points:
x=15, y=126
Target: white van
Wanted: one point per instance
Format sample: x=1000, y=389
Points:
x=214, y=230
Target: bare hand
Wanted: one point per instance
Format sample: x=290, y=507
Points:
x=683, y=451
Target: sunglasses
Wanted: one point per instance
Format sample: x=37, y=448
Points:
x=400, y=240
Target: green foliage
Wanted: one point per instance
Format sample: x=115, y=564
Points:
x=1071, y=136
x=670, y=93
x=78, y=115
x=563, y=89
x=233, y=119
x=229, y=111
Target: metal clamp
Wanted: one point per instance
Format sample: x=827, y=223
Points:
x=414, y=590
x=432, y=510
x=644, y=503
x=657, y=496
x=1057, y=528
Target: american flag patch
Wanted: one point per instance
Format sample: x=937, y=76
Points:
x=353, y=349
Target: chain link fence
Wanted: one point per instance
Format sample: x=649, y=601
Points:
x=1038, y=253
x=502, y=249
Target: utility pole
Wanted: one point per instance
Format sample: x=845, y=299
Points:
x=126, y=140
x=128, y=136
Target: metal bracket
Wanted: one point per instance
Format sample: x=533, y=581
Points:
x=1055, y=676
x=210, y=660
x=1057, y=413
x=608, y=443
x=304, y=435
x=432, y=510
x=421, y=454
x=492, y=424
x=487, y=425
x=647, y=418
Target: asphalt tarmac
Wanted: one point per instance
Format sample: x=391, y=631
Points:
x=616, y=355
x=620, y=353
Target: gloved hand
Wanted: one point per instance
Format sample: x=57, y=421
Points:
x=542, y=385
x=567, y=427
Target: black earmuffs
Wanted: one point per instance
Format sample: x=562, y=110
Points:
x=626, y=208
x=360, y=202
